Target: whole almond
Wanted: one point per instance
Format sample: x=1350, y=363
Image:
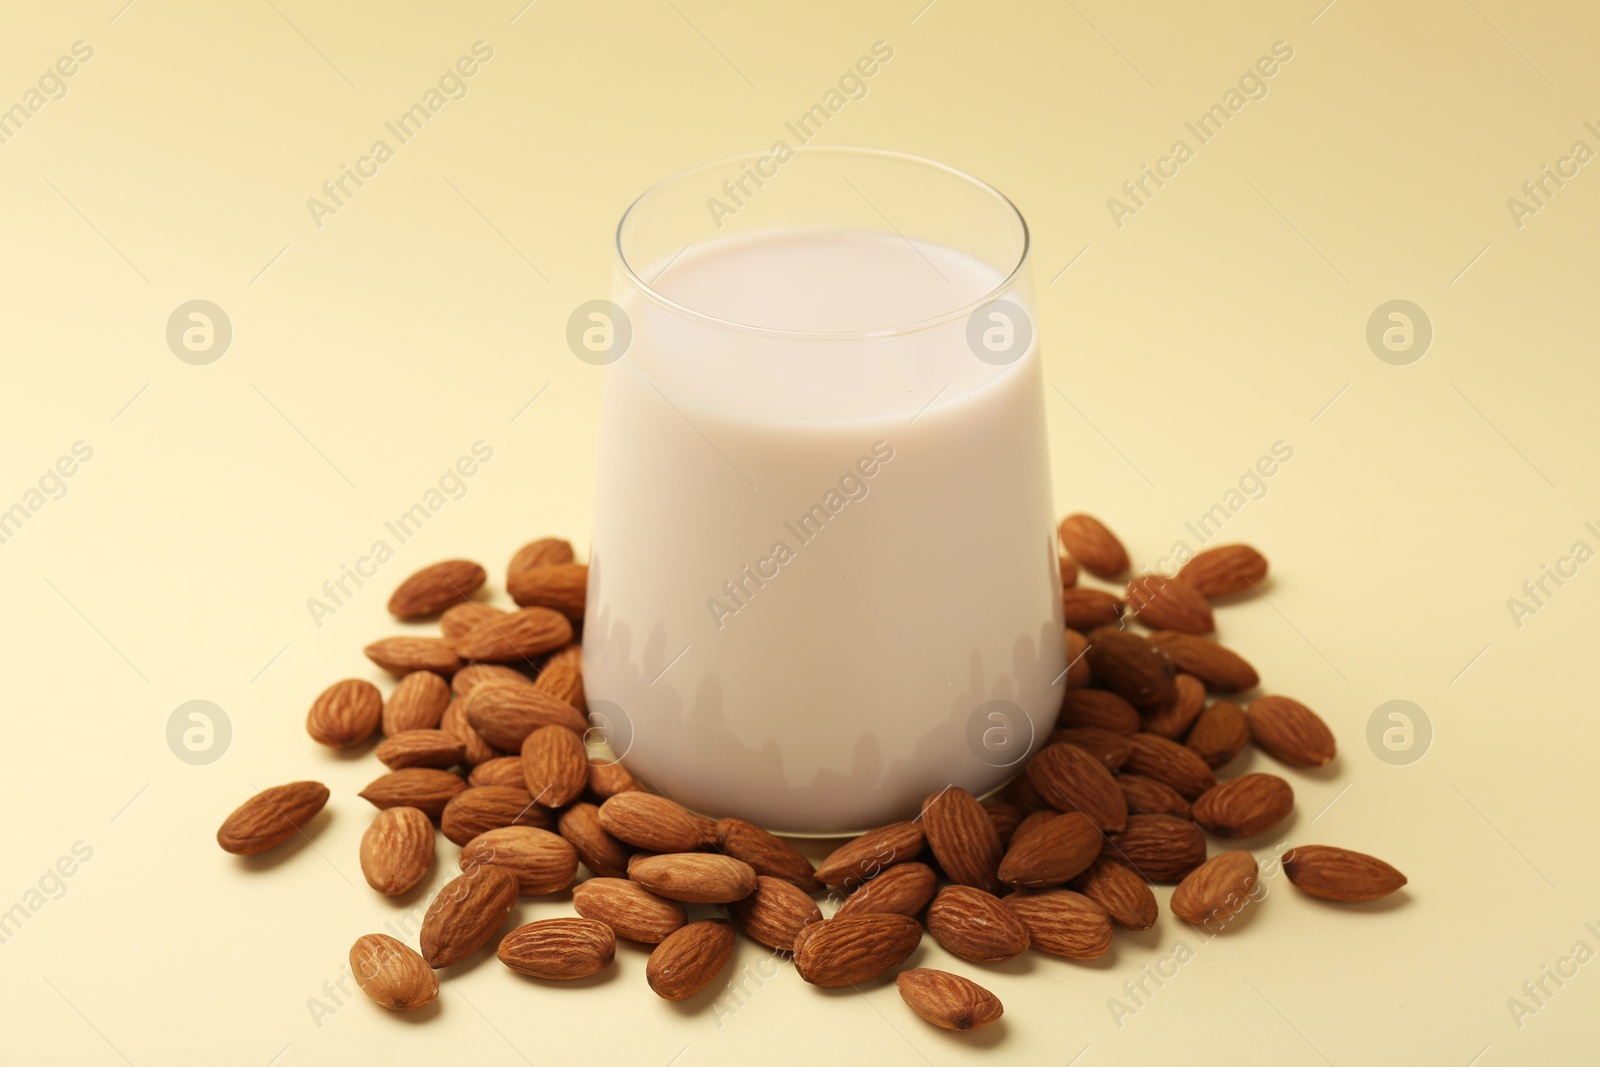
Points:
x=1159, y=848
x=393, y=975
x=1340, y=874
x=414, y=787
x=767, y=854
x=490, y=807
x=1069, y=571
x=468, y=678
x=561, y=587
x=544, y=552
x=345, y=713
x=1123, y=894
x=647, y=820
x=271, y=817
x=599, y=851
x=1169, y=762
x=1174, y=719
x=690, y=959
x=1110, y=748
x=542, y=861
x=1063, y=923
x=1169, y=604
x=417, y=703
x=631, y=911
x=947, y=1000
x=420, y=748
x=402, y=655
x=1225, y=570
x=904, y=889
x=435, y=588
x=1215, y=891
x=1220, y=733
x=502, y=771
x=1249, y=804
x=1221, y=669
x=1291, y=732
x=1078, y=672
x=466, y=914
x=1005, y=818
x=397, y=850
x=774, y=912
x=561, y=949
x=695, y=877
x=505, y=713
x=1131, y=667
x=1069, y=778
x=1146, y=796
x=607, y=778
x=456, y=621
x=562, y=676
x=1058, y=850
x=1098, y=708
x=515, y=636
x=976, y=926
x=1089, y=542
x=555, y=765
x=1084, y=609
x=857, y=861
x=855, y=949
x=962, y=838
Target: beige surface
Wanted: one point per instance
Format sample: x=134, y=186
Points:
x=1225, y=315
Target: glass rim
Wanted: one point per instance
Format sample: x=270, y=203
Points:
x=646, y=289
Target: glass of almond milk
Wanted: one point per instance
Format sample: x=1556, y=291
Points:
x=824, y=581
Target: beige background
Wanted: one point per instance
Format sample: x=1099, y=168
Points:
x=1225, y=315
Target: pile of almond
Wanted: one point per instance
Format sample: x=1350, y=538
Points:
x=484, y=741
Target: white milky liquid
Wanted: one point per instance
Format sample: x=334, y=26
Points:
x=815, y=562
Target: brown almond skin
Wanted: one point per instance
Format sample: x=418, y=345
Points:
x=947, y=1000
x=1131, y=667
x=1109, y=748
x=468, y=678
x=647, y=820
x=490, y=807
x=856, y=861
x=768, y=854
x=420, y=748
x=1098, y=708
x=599, y=851
x=562, y=676
x=1091, y=543
x=690, y=959
x=271, y=817
x=414, y=787
x=1058, y=850
x=555, y=765
x=1063, y=923
x=774, y=913
x=1174, y=719
x=1069, y=570
x=417, y=703
x=542, y=861
x=1069, y=778
x=468, y=911
x=397, y=850
x=1168, y=604
x=505, y=713
x=976, y=926
x=1220, y=733
x=1215, y=891
x=1291, y=732
x=962, y=838
x=631, y=911
x=855, y=949
x=1023, y=795
x=1169, y=762
x=1125, y=896
x=515, y=636
x=345, y=714
x=607, y=778
x=1159, y=848
x=561, y=587
x=501, y=771
x=456, y=621
x=456, y=725
x=1084, y=609
x=560, y=949
x=544, y=552
x=402, y=655
x=1221, y=669
x=1340, y=874
x=1034, y=821
x=1146, y=796
x=1079, y=673
x=1005, y=818
x=1249, y=804
x=1225, y=570
x=904, y=889
x=694, y=877
x=393, y=975
x=436, y=587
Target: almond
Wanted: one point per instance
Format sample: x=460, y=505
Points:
x=1225, y=570
x=1168, y=604
x=466, y=914
x=630, y=910
x=468, y=678
x=976, y=926
x=1220, y=733
x=1245, y=805
x=1111, y=749
x=1089, y=542
x=1159, y=848
x=1033, y=822
x=1291, y=732
x=1131, y=667
x=1099, y=709
x=561, y=949
x=456, y=725
x=1078, y=672
x=490, y=807
x=1146, y=796
x=543, y=862
x=562, y=676
x=855, y=949
x=1215, y=891
x=861, y=859
x=1085, y=609
x=1169, y=762
x=599, y=851
x=904, y=889
x=515, y=636
x=1123, y=894
x=420, y=748
x=647, y=820
x=1174, y=719
x=397, y=850
x=562, y=587
x=271, y=817
x=774, y=912
x=1340, y=874
x=435, y=588
x=393, y=975
x=962, y=838
x=402, y=655
x=695, y=877
x=1005, y=818
x=1221, y=669
x=1069, y=778
x=555, y=765
x=456, y=621
x=1069, y=571
x=1058, y=850
x=501, y=771
x=1023, y=795
x=505, y=713
x=690, y=959
x=947, y=1000
x=417, y=703
x=1063, y=923
x=767, y=854
x=607, y=778
x=345, y=713
x=414, y=787
x=544, y=552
